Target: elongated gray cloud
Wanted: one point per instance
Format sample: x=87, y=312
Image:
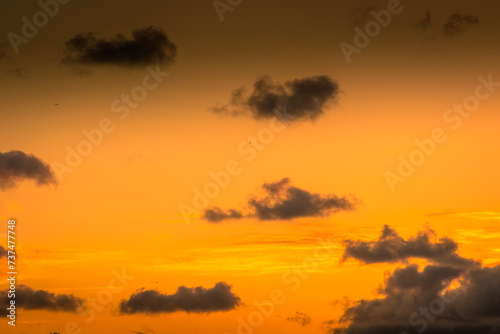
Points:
x=16, y=166
x=196, y=299
x=282, y=201
x=147, y=46
x=391, y=247
x=29, y=299
x=303, y=99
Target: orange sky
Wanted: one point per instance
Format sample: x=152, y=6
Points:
x=119, y=207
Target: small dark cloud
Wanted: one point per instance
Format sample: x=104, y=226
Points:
x=197, y=299
x=391, y=247
x=30, y=299
x=304, y=99
x=3, y=252
x=282, y=201
x=426, y=22
x=216, y=215
x=300, y=318
x=16, y=166
x=458, y=23
x=147, y=46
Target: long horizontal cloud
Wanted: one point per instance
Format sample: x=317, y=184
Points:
x=391, y=247
x=282, y=201
x=30, y=299
x=16, y=166
x=147, y=46
x=441, y=298
x=197, y=299
x=296, y=100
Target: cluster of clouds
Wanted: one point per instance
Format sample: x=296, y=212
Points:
x=17, y=166
x=196, y=299
x=282, y=201
x=450, y=295
x=454, y=25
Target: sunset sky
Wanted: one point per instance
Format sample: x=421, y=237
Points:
x=237, y=166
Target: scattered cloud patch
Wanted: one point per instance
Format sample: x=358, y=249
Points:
x=282, y=201
x=305, y=99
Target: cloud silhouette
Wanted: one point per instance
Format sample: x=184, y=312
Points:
x=147, y=46
x=300, y=318
x=196, y=299
x=458, y=23
x=16, y=166
x=30, y=299
x=304, y=99
x=442, y=298
x=391, y=247
x=282, y=201
x=416, y=301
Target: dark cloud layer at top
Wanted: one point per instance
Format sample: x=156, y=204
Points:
x=197, y=299
x=440, y=299
x=147, y=46
x=282, y=201
x=458, y=23
x=16, y=166
x=30, y=299
x=391, y=247
x=304, y=99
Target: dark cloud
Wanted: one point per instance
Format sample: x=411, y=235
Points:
x=216, y=215
x=282, y=201
x=30, y=299
x=458, y=23
x=3, y=252
x=416, y=301
x=16, y=166
x=147, y=46
x=391, y=247
x=300, y=318
x=197, y=299
x=441, y=298
x=304, y=99
x=426, y=22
